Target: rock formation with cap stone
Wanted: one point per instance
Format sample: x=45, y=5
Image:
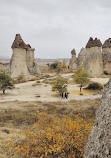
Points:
x=90, y=58
x=22, y=61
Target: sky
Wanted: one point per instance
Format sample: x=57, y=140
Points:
x=53, y=27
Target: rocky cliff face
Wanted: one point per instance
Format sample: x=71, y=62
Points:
x=99, y=142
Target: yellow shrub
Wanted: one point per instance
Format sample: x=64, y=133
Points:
x=53, y=136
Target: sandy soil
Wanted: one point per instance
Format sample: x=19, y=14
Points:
x=28, y=92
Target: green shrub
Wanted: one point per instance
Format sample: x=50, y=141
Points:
x=54, y=65
x=81, y=77
x=95, y=86
x=59, y=85
x=5, y=82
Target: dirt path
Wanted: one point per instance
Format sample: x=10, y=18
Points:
x=43, y=92
x=80, y=98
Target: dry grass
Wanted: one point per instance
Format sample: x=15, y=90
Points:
x=15, y=116
x=44, y=69
x=86, y=92
x=4, y=67
x=49, y=80
x=37, y=83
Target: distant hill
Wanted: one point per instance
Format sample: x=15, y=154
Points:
x=38, y=60
x=52, y=60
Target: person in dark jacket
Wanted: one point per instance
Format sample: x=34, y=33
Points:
x=62, y=95
x=66, y=95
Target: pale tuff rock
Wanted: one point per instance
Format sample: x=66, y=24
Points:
x=18, y=65
x=22, y=61
x=106, y=55
x=81, y=57
x=99, y=142
x=93, y=59
x=73, y=60
x=93, y=64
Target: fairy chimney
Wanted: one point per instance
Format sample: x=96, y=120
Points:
x=22, y=61
x=93, y=63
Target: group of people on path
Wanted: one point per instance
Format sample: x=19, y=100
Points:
x=65, y=95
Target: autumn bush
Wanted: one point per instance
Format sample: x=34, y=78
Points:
x=52, y=136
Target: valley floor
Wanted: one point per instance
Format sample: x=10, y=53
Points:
x=29, y=91
x=19, y=108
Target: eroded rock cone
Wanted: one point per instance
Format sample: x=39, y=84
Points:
x=99, y=142
x=19, y=43
x=23, y=62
